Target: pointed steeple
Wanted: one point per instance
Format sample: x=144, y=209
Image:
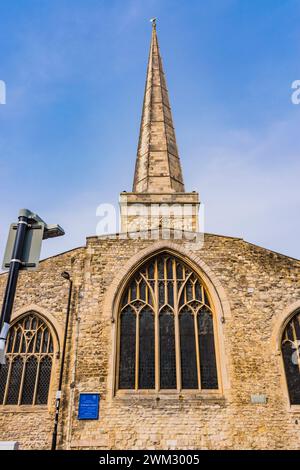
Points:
x=158, y=168
x=158, y=199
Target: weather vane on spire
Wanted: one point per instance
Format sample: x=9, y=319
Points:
x=153, y=21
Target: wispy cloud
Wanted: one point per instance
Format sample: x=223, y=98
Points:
x=249, y=184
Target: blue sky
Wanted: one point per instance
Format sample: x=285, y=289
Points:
x=75, y=73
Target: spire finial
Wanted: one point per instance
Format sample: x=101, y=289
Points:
x=153, y=21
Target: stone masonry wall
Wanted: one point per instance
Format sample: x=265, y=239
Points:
x=46, y=292
x=259, y=286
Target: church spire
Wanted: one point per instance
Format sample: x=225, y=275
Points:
x=158, y=168
x=158, y=199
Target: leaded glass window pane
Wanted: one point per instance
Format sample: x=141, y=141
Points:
x=188, y=350
x=44, y=381
x=14, y=381
x=146, y=350
x=4, y=368
x=167, y=350
x=25, y=378
x=208, y=366
x=29, y=381
x=127, y=349
x=160, y=327
x=291, y=358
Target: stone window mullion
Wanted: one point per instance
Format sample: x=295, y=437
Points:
x=198, y=358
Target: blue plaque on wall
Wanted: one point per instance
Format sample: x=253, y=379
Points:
x=88, y=407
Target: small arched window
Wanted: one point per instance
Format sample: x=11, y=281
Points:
x=290, y=347
x=25, y=378
x=166, y=330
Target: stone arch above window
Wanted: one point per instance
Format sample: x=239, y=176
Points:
x=290, y=348
x=166, y=329
x=25, y=378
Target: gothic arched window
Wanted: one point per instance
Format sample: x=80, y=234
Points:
x=166, y=330
x=25, y=378
x=291, y=357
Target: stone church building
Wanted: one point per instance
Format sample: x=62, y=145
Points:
x=188, y=340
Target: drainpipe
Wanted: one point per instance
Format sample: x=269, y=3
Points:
x=73, y=377
x=65, y=275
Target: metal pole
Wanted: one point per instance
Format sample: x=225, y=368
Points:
x=58, y=393
x=12, y=280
